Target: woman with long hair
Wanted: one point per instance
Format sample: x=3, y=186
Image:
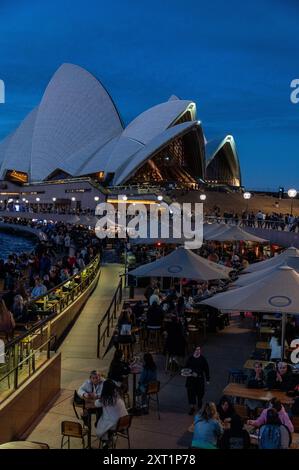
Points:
x=113, y=407
x=207, y=428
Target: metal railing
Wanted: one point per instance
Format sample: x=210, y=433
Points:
x=22, y=351
x=64, y=294
x=107, y=322
x=24, y=355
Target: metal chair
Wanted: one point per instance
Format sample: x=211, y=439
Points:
x=72, y=429
x=237, y=376
x=152, y=393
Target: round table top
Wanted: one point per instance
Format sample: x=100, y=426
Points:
x=21, y=445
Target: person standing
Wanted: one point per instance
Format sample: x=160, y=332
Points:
x=195, y=383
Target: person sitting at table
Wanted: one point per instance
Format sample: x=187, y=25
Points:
x=155, y=315
x=113, y=408
x=225, y=409
x=236, y=437
x=148, y=374
x=256, y=379
x=273, y=434
x=207, y=428
x=19, y=310
x=119, y=370
x=282, y=414
x=138, y=311
x=180, y=307
x=125, y=328
x=92, y=388
x=39, y=288
x=280, y=378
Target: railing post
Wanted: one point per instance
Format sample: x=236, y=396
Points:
x=99, y=341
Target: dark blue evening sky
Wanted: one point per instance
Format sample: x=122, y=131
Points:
x=234, y=59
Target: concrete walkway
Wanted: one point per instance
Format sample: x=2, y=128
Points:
x=79, y=351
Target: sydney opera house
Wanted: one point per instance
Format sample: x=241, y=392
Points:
x=76, y=134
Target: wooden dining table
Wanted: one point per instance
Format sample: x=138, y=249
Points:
x=242, y=391
x=22, y=445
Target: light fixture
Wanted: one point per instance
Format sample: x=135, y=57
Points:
x=125, y=198
x=17, y=202
x=37, y=199
x=96, y=198
x=54, y=199
x=203, y=197
x=73, y=198
x=292, y=192
x=24, y=199
x=247, y=195
x=160, y=198
x=1, y=202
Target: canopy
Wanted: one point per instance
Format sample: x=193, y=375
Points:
x=211, y=229
x=277, y=292
x=234, y=233
x=275, y=261
x=183, y=263
x=245, y=279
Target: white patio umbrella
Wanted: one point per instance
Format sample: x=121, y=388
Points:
x=276, y=260
x=278, y=292
x=234, y=233
x=212, y=229
x=245, y=279
x=183, y=263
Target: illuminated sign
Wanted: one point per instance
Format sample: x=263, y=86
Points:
x=17, y=176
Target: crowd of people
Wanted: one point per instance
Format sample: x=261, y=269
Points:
x=65, y=250
x=260, y=219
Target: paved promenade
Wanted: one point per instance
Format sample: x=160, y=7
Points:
x=228, y=348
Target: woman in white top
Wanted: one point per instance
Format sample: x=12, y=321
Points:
x=113, y=407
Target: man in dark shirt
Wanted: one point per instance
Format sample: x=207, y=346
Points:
x=195, y=383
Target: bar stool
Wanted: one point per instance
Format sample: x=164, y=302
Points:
x=127, y=350
x=154, y=338
x=193, y=338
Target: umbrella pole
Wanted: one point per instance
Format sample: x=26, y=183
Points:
x=283, y=327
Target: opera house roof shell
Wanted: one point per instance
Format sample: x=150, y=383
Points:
x=76, y=130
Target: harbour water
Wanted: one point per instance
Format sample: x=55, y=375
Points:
x=11, y=243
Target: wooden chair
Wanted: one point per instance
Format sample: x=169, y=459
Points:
x=78, y=402
x=154, y=339
x=241, y=410
x=72, y=429
x=152, y=393
x=122, y=430
x=295, y=421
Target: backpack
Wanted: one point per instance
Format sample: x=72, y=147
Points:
x=270, y=437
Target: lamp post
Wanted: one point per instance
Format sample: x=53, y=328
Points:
x=292, y=193
x=37, y=200
x=203, y=197
x=54, y=200
x=247, y=196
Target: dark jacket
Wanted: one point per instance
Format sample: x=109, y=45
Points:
x=118, y=370
x=232, y=440
x=285, y=385
x=155, y=315
x=201, y=367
